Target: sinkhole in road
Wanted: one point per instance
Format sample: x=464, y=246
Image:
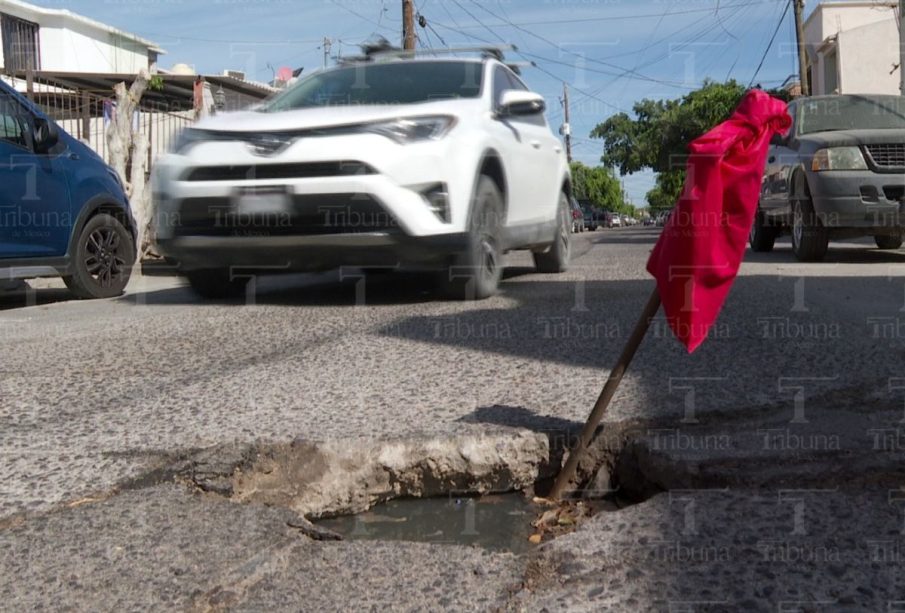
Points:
x=496, y=522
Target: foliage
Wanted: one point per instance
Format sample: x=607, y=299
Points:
x=155, y=83
x=659, y=135
x=598, y=185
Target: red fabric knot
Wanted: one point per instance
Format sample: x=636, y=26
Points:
x=700, y=250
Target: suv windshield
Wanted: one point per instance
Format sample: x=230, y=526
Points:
x=390, y=83
x=851, y=113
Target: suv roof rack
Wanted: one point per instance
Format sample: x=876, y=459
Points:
x=381, y=48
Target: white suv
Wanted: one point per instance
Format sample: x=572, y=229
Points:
x=386, y=161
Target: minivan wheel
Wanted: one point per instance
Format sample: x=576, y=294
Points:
x=762, y=237
x=885, y=241
x=102, y=259
x=556, y=258
x=809, y=237
x=475, y=273
x=216, y=283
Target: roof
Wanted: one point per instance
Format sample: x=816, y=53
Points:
x=38, y=11
x=849, y=4
x=177, y=90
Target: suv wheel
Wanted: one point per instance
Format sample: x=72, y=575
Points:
x=809, y=237
x=102, y=259
x=475, y=273
x=216, y=283
x=556, y=258
x=885, y=241
x=762, y=237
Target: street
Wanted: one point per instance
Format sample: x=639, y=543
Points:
x=799, y=387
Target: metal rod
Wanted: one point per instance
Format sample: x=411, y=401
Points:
x=606, y=395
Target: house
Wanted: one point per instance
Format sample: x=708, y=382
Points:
x=50, y=39
x=853, y=48
x=68, y=64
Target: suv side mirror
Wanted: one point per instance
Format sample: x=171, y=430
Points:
x=46, y=135
x=519, y=102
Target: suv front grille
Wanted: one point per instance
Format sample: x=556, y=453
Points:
x=250, y=172
x=887, y=156
x=310, y=215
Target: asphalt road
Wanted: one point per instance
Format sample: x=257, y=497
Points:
x=95, y=392
x=789, y=416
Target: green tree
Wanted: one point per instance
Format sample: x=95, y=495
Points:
x=598, y=185
x=659, y=135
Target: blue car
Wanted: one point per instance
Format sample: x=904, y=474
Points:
x=63, y=211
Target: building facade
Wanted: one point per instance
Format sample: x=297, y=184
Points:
x=36, y=38
x=853, y=48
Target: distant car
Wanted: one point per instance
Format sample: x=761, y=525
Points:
x=615, y=220
x=577, y=216
x=837, y=174
x=594, y=218
x=63, y=211
x=442, y=164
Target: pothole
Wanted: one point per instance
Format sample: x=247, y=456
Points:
x=473, y=490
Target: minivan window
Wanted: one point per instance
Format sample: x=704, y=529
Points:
x=397, y=82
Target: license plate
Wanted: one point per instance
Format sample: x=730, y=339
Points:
x=259, y=202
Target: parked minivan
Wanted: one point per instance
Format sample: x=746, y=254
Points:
x=63, y=211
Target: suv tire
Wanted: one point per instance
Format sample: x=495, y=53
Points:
x=809, y=237
x=556, y=257
x=762, y=237
x=103, y=257
x=216, y=283
x=885, y=241
x=475, y=273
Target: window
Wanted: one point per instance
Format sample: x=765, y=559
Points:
x=394, y=82
x=830, y=83
x=20, y=44
x=13, y=127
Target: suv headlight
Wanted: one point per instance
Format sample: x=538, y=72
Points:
x=413, y=129
x=838, y=158
x=186, y=138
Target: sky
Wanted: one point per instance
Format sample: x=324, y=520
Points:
x=611, y=53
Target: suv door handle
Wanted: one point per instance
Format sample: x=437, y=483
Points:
x=73, y=156
x=535, y=144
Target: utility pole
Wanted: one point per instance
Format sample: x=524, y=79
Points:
x=408, y=24
x=901, y=47
x=802, y=51
x=566, y=128
x=327, y=45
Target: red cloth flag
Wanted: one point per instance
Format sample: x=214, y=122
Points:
x=702, y=245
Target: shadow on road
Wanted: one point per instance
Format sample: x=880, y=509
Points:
x=27, y=297
x=353, y=288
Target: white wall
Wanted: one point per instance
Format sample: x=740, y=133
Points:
x=866, y=57
x=72, y=48
x=867, y=47
x=70, y=44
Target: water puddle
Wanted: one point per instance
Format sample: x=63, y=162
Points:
x=494, y=522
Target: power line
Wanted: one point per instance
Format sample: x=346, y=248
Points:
x=623, y=71
x=506, y=23
x=770, y=44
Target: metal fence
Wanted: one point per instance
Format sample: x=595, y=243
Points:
x=85, y=116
